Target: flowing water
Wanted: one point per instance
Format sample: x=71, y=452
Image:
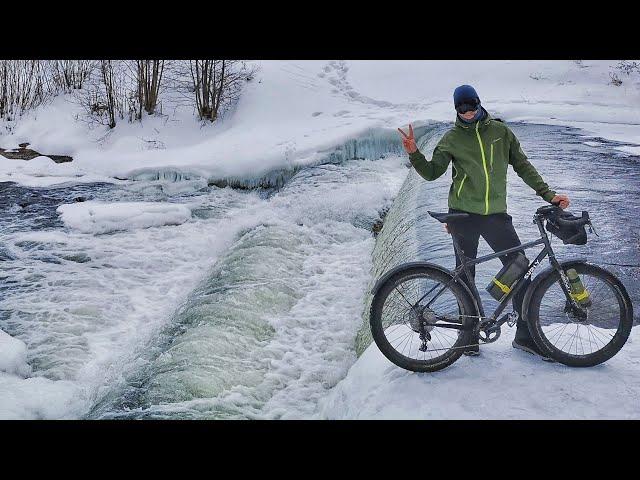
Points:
x=251, y=308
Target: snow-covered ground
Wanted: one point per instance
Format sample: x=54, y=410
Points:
x=140, y=258
x=502, y=383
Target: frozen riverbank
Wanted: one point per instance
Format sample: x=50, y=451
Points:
x=293, y=113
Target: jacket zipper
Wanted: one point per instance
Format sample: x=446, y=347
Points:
x=462, y=183
x=486, y=174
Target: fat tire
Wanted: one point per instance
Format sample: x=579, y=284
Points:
x=589, y=360
x=465, y=301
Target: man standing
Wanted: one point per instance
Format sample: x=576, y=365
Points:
x=480, y=149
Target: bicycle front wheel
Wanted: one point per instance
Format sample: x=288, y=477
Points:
x=427, y=296
x=586, y=337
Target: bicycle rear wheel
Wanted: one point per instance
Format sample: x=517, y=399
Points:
x=427, y=295
x=587, y=338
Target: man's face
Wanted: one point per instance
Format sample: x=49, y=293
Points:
x=469, y=115
x=468, y=109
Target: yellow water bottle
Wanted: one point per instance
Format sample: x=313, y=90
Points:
x=578, y=292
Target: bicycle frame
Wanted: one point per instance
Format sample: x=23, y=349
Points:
x=466, y=262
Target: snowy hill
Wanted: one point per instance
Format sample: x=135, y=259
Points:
x=294, y=111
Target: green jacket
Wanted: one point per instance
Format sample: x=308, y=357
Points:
x=481, y=153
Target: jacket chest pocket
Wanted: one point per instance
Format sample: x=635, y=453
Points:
x=495, y=152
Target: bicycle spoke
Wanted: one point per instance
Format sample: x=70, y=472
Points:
x=575, y=335
x=410, y=304
x=402, y=337
x=404, y=308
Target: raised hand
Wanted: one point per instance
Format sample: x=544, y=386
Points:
x=409, y=141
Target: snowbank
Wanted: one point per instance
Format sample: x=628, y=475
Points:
x=13, y=356
x=503, y=383
x=103, y=217
x=39, y=398
x=293, y=112
x=30, y=398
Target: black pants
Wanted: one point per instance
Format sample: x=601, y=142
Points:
x=497, y=230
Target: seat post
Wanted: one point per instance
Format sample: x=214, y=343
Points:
x=456, y=246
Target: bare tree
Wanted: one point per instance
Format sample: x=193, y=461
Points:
x=129, y=88
x=108, y=95
x=216, y=85
x=110, y=88
x=149, y=81
x=23, y=86
x=68, y=75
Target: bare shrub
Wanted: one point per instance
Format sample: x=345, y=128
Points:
x=126, y=89
x=615, y=80
x=68, y=75
x=212, y=85
x=109, y=95
x=628, y=67
x=23, y=85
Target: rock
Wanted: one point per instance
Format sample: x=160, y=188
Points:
x=21, y=154
x=24, y=153
x=60, y=158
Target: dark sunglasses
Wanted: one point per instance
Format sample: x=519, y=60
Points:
x=467, y=107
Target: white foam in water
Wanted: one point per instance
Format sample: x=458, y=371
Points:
x=102, y=217
x=89, y=305
x=274, y=329
x=85, y=305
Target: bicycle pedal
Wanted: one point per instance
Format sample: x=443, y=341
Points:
x=489, y=334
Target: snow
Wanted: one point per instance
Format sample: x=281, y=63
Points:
x=103, y=217
x=293, y=112
x=13, y=356
x=29, y=398
x=502, y=383
x=39, y=398
x=44, y=172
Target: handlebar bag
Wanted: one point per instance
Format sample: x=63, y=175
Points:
x=569, y=234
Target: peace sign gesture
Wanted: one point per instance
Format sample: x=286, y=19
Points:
x=409, y=141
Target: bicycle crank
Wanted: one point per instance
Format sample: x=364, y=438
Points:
x=489, y=332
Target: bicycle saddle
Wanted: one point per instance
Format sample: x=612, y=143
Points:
x=448, y=217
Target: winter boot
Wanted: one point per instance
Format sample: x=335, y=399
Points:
x=474, y=349
x=523, y=341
